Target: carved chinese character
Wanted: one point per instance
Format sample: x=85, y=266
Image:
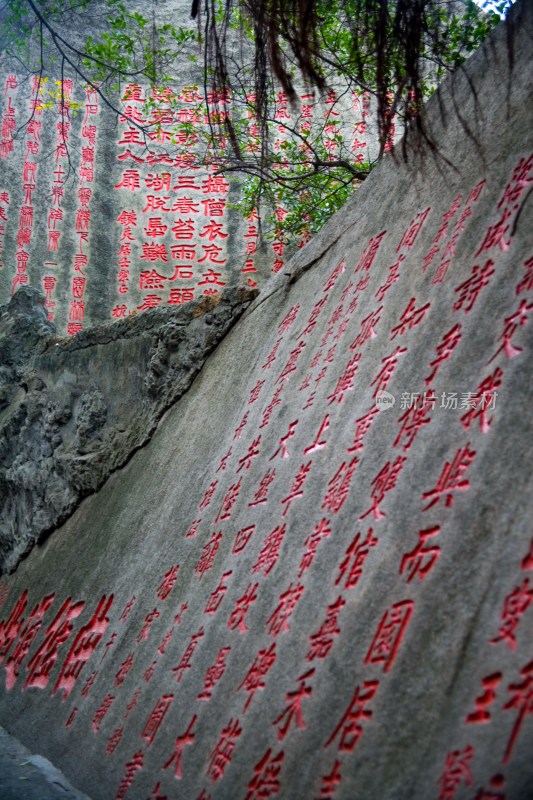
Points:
x=242, y=538
x=330, y=782
x=411, y=422
x=451, y=478
x=526, y=284
x=470, y=289
x=485, y=700
x=261, y=495
x=230, y=498
x=456, y=771
x=345, y=381
x=132, y=767
x=351, y=723
x=252, y=452
x=512, y=323
x=278, y=621
x=157, y=717
x=183, y=741
x=514, y=606
x=421, y=560
x=296, y=490
x=389, y=635
x=223, y=751
x=270, y=552
x=382, y=379
x=216, y=597
x=321, y=642
x=410, y=318
x=384, y=482
x=370, y=253
x=265, y=782
x=214, y=673
x=322, y=530
x=254, y=678
x=148, y=622
x=168, y=582
x=237, y=618
x=293, y=711
x=351, y=568
x=185, y=662
x=101, y=712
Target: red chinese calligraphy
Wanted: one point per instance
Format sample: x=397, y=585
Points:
x=223, y=751
x=293, y=711
x=237, y=618
x=41, y=664
x=456, y=771
x=83, y=646
x=183, y=741
x=278, y=622
x=156, y=718
x=351, y=568
x=514, y=607
x=265, y=782
x=254, y=678
x=451, y=478
x=185, y=662
x=270, y=552
x=296, y=491
x=389, y=635
x=522, y=701
x=422, y=559
x=208, y=554
x=384, y=482
x=482, y=703
x=322, y=640
x=214, y=673
x=351, y=724
x=168, y=582
x=217, y=595
x=322, y=530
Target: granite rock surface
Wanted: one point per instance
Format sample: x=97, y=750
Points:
x=73, y=410
x=315, y=580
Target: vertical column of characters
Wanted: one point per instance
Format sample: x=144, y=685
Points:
x=186, y=208
x=389, y=119
x=215, y=188
x=332, y=123
x=8, y=121
x=360, y=108
x=4, y=202
x=132, y=140
x=55, y=210
x=29, y=171
x=155, y=223
x=251, y=246
x=76, y=315
x=7, y=127
x=282, y=116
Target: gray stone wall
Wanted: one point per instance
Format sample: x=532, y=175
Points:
x=315, y=580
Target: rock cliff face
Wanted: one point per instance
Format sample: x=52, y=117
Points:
x=314, y=581
x=74, y=410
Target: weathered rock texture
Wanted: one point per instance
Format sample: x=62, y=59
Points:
x=295, y=591
x=74, y=410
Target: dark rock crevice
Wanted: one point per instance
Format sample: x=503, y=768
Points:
x=72, y=411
